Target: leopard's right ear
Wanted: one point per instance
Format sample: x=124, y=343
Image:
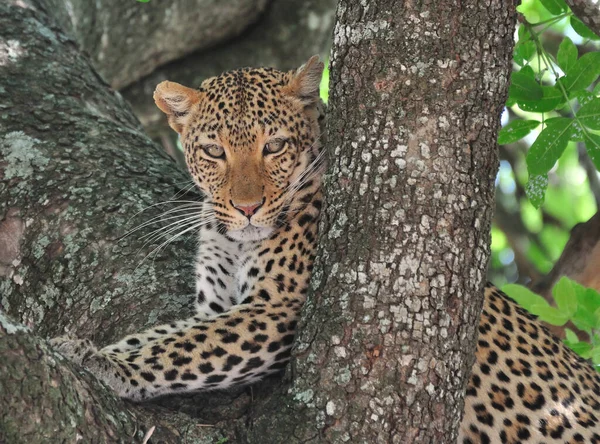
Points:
x=176, y=101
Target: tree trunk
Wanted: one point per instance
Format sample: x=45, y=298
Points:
x=388, y=338
x=126, y=40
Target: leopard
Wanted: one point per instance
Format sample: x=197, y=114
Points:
x=251, y=139
x=252, y=144
x=526, y=385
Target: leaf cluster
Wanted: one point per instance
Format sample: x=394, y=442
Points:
x=574, y=303
x=559, y=91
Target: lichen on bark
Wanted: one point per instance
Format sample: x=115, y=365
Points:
x=387, y=338
x=76, y=168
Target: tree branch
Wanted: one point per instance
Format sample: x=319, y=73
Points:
x=588, y=11
x=73, y=171
x=126, y=39
x=580, y=259
x=287, y=34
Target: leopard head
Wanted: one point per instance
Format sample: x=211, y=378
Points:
x=250, y=136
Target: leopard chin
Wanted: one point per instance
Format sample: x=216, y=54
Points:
x=250, y=233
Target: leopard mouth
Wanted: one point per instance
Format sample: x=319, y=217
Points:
x=250, y=233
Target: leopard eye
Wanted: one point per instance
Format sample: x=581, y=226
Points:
x=274, y=146
x=215, y=151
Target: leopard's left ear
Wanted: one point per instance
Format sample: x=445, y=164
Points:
x=305, y=82
x=176, y=101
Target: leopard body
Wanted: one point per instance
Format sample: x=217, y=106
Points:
x=251, y=139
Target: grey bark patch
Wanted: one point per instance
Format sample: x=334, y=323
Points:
x=20, y=152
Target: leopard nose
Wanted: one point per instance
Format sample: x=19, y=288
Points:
x=246, y=209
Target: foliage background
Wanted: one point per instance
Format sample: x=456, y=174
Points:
x=527, y=241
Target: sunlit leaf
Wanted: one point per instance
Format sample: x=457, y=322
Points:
x=565, y=295
x=567, y=55
x=583, y=72
x=583, y=349
x=588, y=302
x=580, y=28
x=556, y=7
x=589, y=114
x=524, y=296
x=595, y=355
x=584, y=320
x=515, y=130
x=551, y=315
x=571, y=337
x=549, y=146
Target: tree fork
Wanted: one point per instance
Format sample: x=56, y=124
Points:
x=388, y=337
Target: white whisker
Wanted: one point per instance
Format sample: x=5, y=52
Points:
x=184, y=208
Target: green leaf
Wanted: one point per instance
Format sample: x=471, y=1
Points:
x=567, y=55
x=577, y=133
x=524, y=51
x=528, y=71
x=565, y=295
x=583, y=72
x=535, y=189
x=549, y=146
x=592, y=144
x=523, y=33
x=524, y=87
x=524, y=296
x=587, y=298
x=580, y=28
x=552, y=99
x=550, y=315
x=589, y=114
x=595, y=355
x=556, y=7
x=583, y=349
x=515, y=130
x=588, y=302
x=584, y=97
x=571, y=337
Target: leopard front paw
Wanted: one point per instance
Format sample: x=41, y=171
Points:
x=75, y=350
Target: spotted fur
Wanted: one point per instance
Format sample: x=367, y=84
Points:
x=251, y=139
x=526, y=386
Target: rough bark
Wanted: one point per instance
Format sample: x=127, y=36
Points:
x=287, y=34
x=588, y=11
x=388, y=338
x=75, y=167
x=126, y=39
x=387, y=344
